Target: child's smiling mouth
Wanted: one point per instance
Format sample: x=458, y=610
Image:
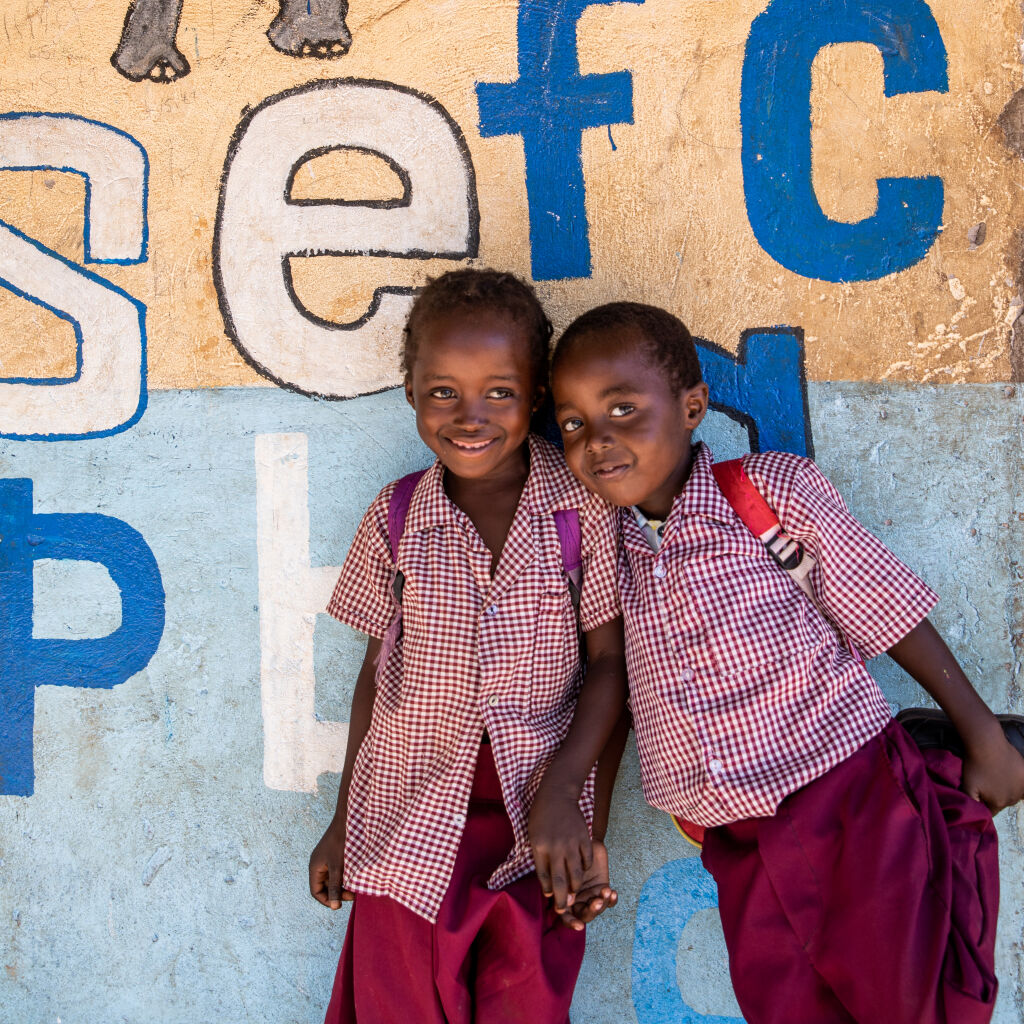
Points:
x=471, y=447
x=610, y=471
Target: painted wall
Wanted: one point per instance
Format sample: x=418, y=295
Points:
x=213, y=218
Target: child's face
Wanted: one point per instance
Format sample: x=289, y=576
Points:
x=473, y=390
x=627, y=436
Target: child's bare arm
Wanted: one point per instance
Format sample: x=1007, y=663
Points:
x=325, y=862
x=993, y=770
x=595, y=894
x=562, y=848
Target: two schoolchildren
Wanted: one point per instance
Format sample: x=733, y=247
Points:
x=857, y=873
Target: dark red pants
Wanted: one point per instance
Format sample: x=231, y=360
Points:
x=870, y=897
x=492, y=957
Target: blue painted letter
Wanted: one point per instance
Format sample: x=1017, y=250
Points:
x=669, y=898
x=775, y=108
x=25, y=662
x=763, y=388
x=549, y=106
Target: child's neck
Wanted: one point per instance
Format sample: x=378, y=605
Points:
x=658, y=504
x=491, y=501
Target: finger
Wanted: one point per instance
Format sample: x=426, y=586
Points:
x=590, y=909
x=560, y=885
x=587, y=854
x=334, y=884
x=570, y=920
x=542, y=865
x=577, y=871
x=317, y=878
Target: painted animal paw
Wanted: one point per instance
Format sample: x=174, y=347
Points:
x=146, y=49
x=165, y=65
x=311, y=28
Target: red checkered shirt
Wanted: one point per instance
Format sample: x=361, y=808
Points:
x=475, y=653
x=741, y=691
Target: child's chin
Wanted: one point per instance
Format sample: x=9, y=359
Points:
x=610, y=493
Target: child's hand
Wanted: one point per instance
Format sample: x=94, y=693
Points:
x=595, y=895
x=994, y=775
x=562, y=850
x=325, y=868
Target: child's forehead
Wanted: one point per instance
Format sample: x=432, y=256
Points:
x=626, y=349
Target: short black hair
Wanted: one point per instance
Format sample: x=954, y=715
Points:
x=668, y=342
x=481, y=289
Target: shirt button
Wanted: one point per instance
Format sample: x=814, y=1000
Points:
x=687, y=675
x=659, y=571
x=459, y=819
x=715, y=766
x=493, y=700
x=492, y=610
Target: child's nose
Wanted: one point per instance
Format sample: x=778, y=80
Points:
x=470, y=411
x=597, y=440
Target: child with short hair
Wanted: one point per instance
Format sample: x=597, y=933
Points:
x=857, y=874
x=456, y=715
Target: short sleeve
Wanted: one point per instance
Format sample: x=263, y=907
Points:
x=599, y=595
x=867, y=592
x=362, y=596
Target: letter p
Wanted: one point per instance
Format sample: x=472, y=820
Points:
x=27, y=662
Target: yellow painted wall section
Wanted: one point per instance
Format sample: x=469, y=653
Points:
x=665, y=202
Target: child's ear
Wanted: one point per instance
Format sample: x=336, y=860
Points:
x=408, y=391
x=539, y=394
x=695, y=405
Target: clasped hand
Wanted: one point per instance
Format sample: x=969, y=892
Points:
x=571, y=867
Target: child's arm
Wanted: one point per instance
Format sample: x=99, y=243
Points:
x=325, y=862
x=595, y=893
x=993, y=771
x=562, y=848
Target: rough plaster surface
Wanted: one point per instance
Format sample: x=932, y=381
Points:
x=665, y=193
x=153, y=875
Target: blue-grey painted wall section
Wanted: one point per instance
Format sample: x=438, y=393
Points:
x=153, y=875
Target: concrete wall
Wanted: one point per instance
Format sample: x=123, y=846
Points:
x=209, y=237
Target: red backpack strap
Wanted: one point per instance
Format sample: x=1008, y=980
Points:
x=760, y=518
x=756, y=514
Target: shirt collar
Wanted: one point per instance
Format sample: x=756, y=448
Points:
x=549, y=487
x=700, y=496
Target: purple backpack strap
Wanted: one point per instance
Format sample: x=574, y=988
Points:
x=398, y=508
x=567, y=522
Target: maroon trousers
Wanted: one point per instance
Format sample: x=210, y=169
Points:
x=870, y=897
x=492, y=957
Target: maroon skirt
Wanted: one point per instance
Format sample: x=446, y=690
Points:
x=870, y=896
x=493, y=957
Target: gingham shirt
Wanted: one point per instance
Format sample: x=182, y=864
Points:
x=476, y=653
x=741, y=691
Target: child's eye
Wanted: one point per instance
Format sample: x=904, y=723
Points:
x=623, y=409
x=501, y=393
x=570, y=425
x=442, y=393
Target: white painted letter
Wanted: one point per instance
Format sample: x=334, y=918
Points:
x=259, y=227
x=108, y=391
x=297, y=746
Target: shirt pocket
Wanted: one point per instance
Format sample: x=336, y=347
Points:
x=554, y=667
x=753, y=614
